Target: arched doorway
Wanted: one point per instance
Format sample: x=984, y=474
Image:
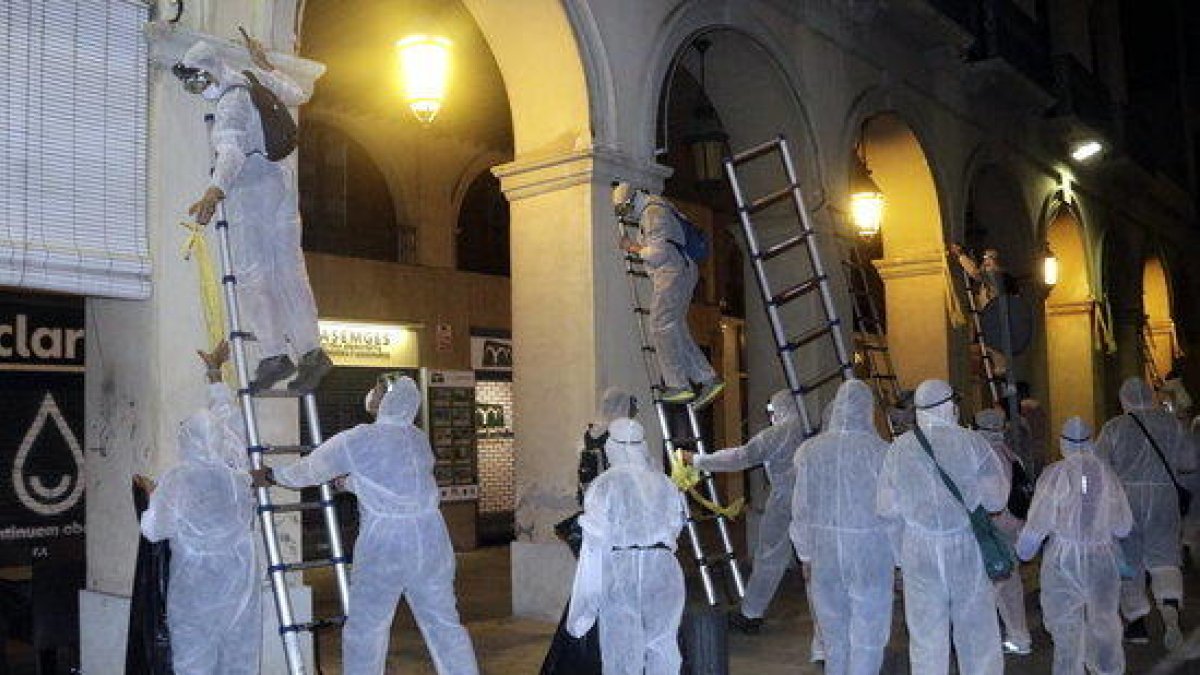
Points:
x=1159, y=329
x=913, y=264
x=1070, y=327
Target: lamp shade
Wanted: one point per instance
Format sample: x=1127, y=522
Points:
x=424, y=62
x=866, y=200
x=1049, y=267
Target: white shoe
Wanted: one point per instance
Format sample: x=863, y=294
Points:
x=1011, y=647
x=1173, y=635
x=816, y=651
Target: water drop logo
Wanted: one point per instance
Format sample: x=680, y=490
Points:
x=31, y=489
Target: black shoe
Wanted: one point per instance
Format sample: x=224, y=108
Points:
x=313, y=367
x=744, y=623
x=1136, y=633
x=271, y=370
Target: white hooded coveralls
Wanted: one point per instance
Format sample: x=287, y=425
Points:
x=628, y=578
x=775, y=449
x=836, y=531
x=403, y=548
x=262, y=208
x=946, y=591
x=205, y=507
x=1153, y=545
x=1080, y=505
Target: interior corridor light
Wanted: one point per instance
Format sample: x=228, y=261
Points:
x=866, y=200
x=704, y=134
x=1085, y=150
x=424, y=73
x=1049, y=267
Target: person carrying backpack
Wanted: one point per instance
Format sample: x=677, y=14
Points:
x=250, y=135
x=664, y=246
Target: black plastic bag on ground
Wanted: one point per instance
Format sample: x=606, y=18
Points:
x=148, y=651
x=570, y=655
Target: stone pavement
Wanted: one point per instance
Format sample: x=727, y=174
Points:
x=509, y=646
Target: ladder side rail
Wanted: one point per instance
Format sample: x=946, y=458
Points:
x=333, y=529
x=279, y=587
x=877, y=323
x=977, y=335
x=710, y=486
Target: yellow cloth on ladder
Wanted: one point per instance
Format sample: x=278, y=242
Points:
x=195, y=247
x=686, y=477
x=953, y=306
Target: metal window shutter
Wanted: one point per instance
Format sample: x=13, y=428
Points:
x=73, y=99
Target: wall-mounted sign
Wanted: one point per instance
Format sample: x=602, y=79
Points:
x=444, y=337
x=370, y=345
x=459, y=493
x=41, y=450
x=491, y=353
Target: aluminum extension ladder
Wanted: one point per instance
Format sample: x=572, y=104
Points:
x=267, y=509
x=790, y=346
x=636, y=272
x=870, y=336
x=1149, y=364
x=977, y=338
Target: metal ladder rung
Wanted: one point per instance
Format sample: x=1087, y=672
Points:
x=755, y=152
x=770, y=199
x=884, y=376
x=284, y=449
x=307, y=565
x=274, y=393
x=784, y=246
x=638, y=273
x=315, y=625
x=684, y=441
x=800, y=289
x=872, y=347
x=293, y=507
x=810, y=336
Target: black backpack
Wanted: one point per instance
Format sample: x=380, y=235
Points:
x=278, y=127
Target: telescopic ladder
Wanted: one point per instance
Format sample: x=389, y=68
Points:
x=871, y=351
x=994, y=382
x=1149, y=364
x=804, y=341
x=267, y=509
x=639, y=280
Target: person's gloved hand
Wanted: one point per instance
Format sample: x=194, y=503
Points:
x=203, y=210
x=261, y=478
x=1028, y=544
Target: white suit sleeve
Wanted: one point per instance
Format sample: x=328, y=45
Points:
x=1185, y=449
x=223, y=407
x=799, y=530
x=588, y=586
x=1039, y=522
x=1117, y=507
x=993, y=484
x=659, y=229
x=330, y=460
x=764, y=444
x=160, y=520
x=230, y=141
x=290, y=93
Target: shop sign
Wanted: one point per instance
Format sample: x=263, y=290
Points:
x=370, y=345
x=491, y=353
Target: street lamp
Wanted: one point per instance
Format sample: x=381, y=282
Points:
x=1049, y=267
x=866, y=200
x=705, y=136
x=424, y=73
x=1086, y=149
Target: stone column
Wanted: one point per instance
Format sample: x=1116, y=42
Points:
x=918, y=325
x=1074, y=379
x=574, y=335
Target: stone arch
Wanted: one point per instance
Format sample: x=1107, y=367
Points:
x=1159, y=318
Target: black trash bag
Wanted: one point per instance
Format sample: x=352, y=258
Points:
x=570, y=655
x=148, y=651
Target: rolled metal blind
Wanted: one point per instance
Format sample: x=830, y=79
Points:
x=73, y=99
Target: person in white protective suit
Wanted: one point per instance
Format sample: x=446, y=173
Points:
x=1080, y=505
x=946, y=591
x=1010, y=592
x=775, y=449
x=403, y=547
x=1154, y=544
x=628, y=578
x=262, y=209
x=205, y=508
x=837, y=533
x=673, y=276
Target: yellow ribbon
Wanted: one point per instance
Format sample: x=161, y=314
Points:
x=196, y=247
x=686, y=477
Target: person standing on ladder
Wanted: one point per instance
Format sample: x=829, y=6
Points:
x=775, y=449
x=673, y=275
x=262, y=208
x=984, y=274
